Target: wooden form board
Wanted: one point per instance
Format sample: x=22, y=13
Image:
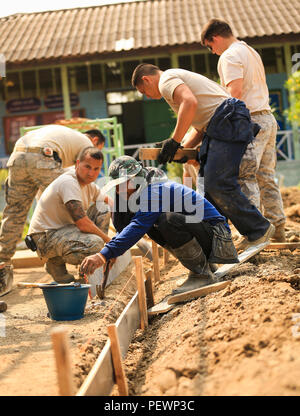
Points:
x=283, y=246
x=100, y=379
x=152, y=153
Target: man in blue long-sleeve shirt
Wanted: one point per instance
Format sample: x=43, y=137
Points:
x=173, y=215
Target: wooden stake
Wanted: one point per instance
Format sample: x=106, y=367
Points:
x=117, y=360
x=155, y=257
x=165, y=256
x=63, y=361
x=149, y=288
x=153, y=152
x=141, y=291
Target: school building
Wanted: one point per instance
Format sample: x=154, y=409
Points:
x=78, y=62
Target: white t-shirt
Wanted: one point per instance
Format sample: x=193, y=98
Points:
x=65, y=141
x=51, y=212
x=209, y=94
x=242, y=61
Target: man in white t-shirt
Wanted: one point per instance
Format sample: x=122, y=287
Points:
x=72, y=217
x=224, y=127
x=38, y=158
x=242, y=72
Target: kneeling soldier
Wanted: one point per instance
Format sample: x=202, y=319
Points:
x=173, y=215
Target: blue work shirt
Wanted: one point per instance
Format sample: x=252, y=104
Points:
x=150, y=203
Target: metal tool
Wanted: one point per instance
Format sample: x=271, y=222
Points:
x=101, y=288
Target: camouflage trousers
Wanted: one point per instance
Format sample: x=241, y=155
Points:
x=257, y=170
x=68, y=244
x=28, y=174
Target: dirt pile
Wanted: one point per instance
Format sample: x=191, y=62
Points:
x=291, y=203
x=244, y=340
x=241, y=341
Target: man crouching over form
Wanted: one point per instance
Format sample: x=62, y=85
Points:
x=72, y=217
x=175, y=216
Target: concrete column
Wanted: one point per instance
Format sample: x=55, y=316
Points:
x=66, y=92
x=174, y=60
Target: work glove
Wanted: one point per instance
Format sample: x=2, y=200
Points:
x=168, y=149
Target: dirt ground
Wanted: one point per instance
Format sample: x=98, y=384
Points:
x=243, y=340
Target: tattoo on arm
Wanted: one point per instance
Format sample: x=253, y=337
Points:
x=75, y=209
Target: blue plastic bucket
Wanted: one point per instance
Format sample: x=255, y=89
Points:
x=66, y=303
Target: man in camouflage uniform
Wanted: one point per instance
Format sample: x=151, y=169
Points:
x=242, y=72
x=72, y=217
x=38, y=158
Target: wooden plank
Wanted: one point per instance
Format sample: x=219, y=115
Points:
x=155, y=257
x=149, y=153
x=282, y=246
x=26, y=258
x=100, y=379
x=196, y=293
x=63, y=361
x=141, y=291
x=127, y=323
x=161, y=307
x=117, y=360
x=166, y=255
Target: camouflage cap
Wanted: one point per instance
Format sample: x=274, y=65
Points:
x=121, y=170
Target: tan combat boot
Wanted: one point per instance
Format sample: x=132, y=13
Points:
x=243, y=243
x=279, y=235
x=57, y=269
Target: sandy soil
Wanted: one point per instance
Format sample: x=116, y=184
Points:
x=27, y=362
x=243, y=340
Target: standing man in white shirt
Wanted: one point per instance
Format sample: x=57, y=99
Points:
x=242, y=73
x=223, y=126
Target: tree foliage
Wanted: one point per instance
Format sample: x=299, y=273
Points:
x=293, y=85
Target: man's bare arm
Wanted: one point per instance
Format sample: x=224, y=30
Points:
x=82, y=221
x=193, y=138
x=235, y=88
x=187, y=102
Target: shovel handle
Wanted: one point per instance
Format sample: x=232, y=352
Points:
x=28, y=285
x=42, y=285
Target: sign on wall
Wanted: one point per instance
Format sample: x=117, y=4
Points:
x=21, y=105
x=56, y=101
x=12, y=124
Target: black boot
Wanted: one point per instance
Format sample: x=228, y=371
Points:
x=193, y=258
